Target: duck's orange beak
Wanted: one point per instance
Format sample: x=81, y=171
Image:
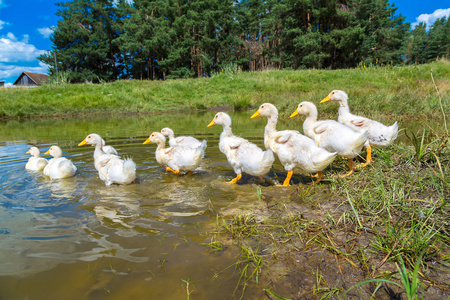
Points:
x=83, y=143
x=255, y=115
x=295, y=113
x=212, y=123
x=326, y=99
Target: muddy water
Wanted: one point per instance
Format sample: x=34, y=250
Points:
x=79, y=239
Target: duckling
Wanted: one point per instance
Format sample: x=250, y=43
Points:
x=292, y=148
x=35, y=162
x=242, y=155
x=111, y=168
x=331, y=135
x=59, y=167
x=176, y=159
x=380, y=135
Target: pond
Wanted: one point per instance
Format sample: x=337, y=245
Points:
x=80, y=238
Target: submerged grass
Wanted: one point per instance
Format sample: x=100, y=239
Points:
x=383, y=90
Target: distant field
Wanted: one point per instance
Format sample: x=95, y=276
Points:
x=407, y=91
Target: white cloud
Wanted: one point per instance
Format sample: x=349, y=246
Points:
x=2, y=23
x=46, y=31
x=7, y=71
x=11, y=36
x=13, y=50
x=429, y=19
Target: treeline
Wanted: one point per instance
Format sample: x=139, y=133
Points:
x=105, y=40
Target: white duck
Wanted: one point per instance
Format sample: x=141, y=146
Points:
x=35, y=162
x=379, y=134
x=242, y=155
x=185, y=141
x=293, y=149
x=176, y=159
x=331, y=135
x=111, y=168
x=58, y=167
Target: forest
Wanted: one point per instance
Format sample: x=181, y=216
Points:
x=107, y=40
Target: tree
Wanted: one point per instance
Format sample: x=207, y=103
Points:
x=418, y=48
x=438, y=39
x=83, y=41
x=384, y=32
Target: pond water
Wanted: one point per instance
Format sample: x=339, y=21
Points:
x=79, y=239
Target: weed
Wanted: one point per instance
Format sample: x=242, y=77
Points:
x=186, y=284
x=250, y=267
x=267, y=291
x=321, y=287
x=410, y=280
x=214, y=245
x=259, y=193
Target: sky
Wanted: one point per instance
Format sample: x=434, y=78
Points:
x=26, y=25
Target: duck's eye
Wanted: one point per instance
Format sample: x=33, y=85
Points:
x=301, y=105
x=332, y=93
x=262, y=106
x=89, y=136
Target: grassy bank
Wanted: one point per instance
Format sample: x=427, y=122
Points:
x=381, y=233
x=408, y=91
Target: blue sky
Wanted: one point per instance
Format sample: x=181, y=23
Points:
x=25, y=27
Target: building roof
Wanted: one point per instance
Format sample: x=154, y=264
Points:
x=39, y=79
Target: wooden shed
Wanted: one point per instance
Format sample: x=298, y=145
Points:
x=30, y=79
x=2, y=83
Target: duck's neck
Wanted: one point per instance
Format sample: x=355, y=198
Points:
x=98, y=150
x=226, y=131
x=160, y=145
x=171, y=136
x=308, y=124
x=270, y=129
x=343, y=107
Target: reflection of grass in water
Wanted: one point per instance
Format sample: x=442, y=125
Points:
x=398, y=205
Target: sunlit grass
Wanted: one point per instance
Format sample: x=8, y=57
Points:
x=399, y=205
x=372, y=90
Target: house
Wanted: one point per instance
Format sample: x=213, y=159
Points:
x=30, y=79
x=2, y=83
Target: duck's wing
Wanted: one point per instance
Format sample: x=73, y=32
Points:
x=360, y=121
x=284, y=136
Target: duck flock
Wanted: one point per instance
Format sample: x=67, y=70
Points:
x=309, y=154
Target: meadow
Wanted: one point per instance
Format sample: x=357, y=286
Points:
x=382, y=232
x=402, y=91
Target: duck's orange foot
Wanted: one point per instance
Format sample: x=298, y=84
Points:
x=235, y=180
x=320, y=175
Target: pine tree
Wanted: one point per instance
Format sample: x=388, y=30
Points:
x=384, y=32
x=438, y=39
x=83, y=41
x=418, y=48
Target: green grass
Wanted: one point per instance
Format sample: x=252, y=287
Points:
x=382, y=90
x=384, y=228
